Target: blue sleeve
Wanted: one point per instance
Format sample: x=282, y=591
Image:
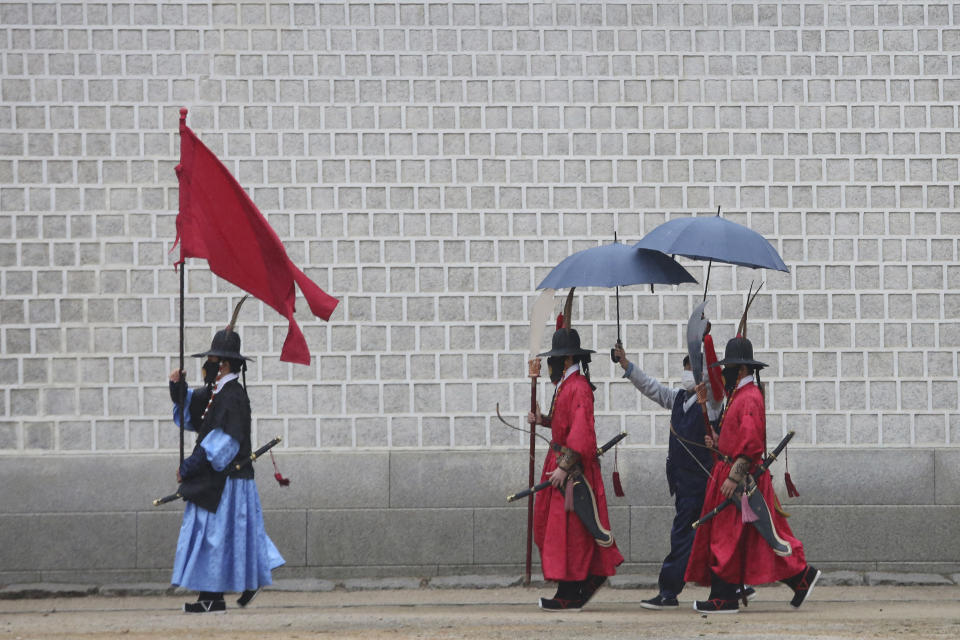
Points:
x=186, y=412
x=192, y=464
x=220, y=448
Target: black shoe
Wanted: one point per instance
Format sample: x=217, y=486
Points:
x=561, y=604
x=205, y=606
x=590, y=586
x=748, y=592
x=716, y=606
x=658, y=602
x=247, y=597
x=804, y=586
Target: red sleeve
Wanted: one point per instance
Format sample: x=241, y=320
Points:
x=582, y=437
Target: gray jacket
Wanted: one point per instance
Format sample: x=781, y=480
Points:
x=664, y=395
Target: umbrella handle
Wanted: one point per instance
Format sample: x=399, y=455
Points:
x=619, y=344
x=706, y=282
x=613, y=351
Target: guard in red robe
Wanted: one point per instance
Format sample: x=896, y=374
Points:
x=729, y=550
x=569, y=554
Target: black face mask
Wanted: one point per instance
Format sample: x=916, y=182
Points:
x=555, y=367
x=210, y=371
x=730, y=376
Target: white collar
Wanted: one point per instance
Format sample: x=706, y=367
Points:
x=224, y=380
x=744, y=381
x=569, y=372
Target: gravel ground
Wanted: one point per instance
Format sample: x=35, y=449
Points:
x=832, y=612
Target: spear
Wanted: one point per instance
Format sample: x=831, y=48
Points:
x=539, y=316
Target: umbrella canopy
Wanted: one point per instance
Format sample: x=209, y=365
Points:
x=714, y=238
x=615, y=265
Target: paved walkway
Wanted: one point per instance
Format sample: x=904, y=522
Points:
x=833, y=612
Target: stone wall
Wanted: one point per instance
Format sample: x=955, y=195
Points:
x=428, y=163
x=88, y=518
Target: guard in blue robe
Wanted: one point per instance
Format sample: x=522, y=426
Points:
x=223, y=546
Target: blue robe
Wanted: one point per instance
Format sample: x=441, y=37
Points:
x=226, y=551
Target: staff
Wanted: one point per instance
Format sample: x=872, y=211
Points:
x=539, y=315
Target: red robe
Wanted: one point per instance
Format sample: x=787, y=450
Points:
x=725, y=545
x=567, y=551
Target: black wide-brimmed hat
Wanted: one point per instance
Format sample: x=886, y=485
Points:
x=566, y=342
x=226, y=342
x=739, y=351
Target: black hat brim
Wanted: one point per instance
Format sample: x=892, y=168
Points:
x=732, y=361
x=229, y=355
x=566, y=352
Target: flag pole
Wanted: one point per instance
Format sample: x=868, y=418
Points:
x=183, y=386
x=183, y=268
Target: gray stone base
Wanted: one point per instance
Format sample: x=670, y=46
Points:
x=643, y=582
x=416, y=515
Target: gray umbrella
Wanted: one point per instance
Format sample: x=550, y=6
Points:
x=615, y=265
x=715, y=239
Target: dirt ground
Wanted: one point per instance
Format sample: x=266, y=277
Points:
x=832, y=612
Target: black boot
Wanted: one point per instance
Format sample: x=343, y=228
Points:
x=802, y=585
x=723, y=597
x=590, y=586
x=247, y=597
x=207, y=602
x=567, y=597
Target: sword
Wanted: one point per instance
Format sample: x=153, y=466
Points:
x=696, y=329
x=236, y=467
x=696, y=326
x=756, y=474
x=546, y=483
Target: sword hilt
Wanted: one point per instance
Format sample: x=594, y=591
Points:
x=166, y=499
x=612, y=443
x=259, y=452
x=528, y=492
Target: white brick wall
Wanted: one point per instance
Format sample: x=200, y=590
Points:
x=428, y=163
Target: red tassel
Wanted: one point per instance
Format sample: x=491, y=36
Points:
x=284, y=482
x=746, y=513
x=559, y=321
x=791, y=488
x=617, y=486
x=568, y=496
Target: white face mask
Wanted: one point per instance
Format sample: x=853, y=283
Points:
x=687, y=381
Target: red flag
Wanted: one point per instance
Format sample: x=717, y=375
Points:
x=220, y=223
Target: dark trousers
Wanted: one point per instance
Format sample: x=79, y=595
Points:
x=688, y=509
